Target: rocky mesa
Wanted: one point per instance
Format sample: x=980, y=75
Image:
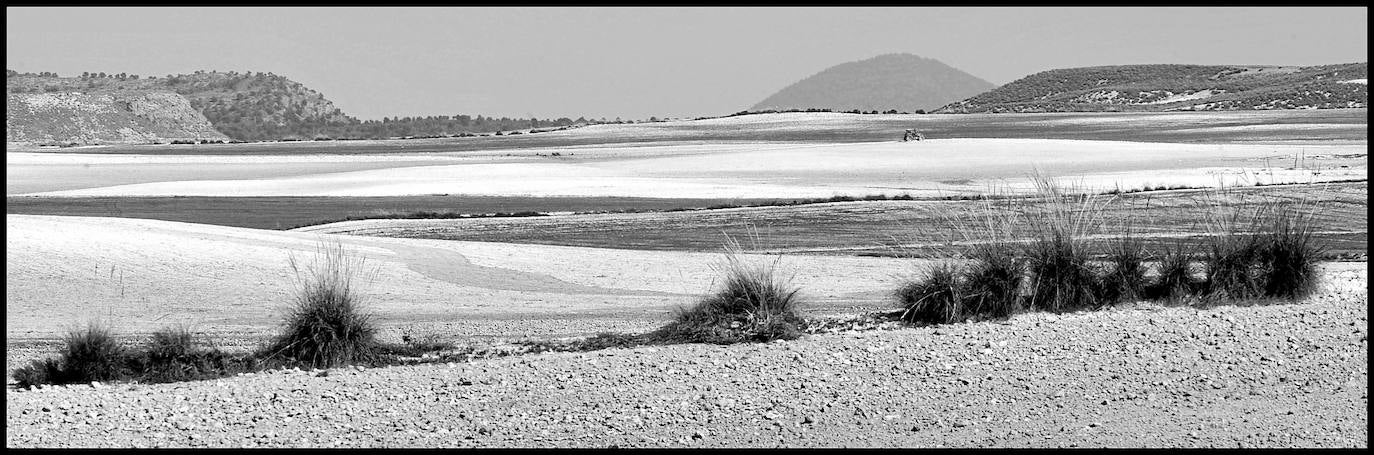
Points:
x=120, y=117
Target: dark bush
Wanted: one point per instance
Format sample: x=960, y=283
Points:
x=46, y=371
x=993, y=281
x=1062, y=279
x=755, y=304
x=326, y=325
x=1174, y=278
x=1058, y=256
x=1234, y=251
x=1292, y=252
x=172, y=354
x=937, y=297
x=1124, y=275
x=93, y=355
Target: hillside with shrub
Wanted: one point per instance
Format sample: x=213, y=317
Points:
x=901, y=82
x=262, y=107
x=1137, y=88
x=243, y=106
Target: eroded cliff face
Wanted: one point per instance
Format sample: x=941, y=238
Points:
x=119, y=117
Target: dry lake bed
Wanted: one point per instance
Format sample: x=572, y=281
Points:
x=200, y=246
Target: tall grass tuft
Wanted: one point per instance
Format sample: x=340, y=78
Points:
x=1234, y=250
x=987, y=285
x=169, y=343
x=89, y=354
x=174, y=354
x=93, y=354
x=1124, y=277
x=1174, y=278
x=936, y=297
x=327, y=325
x=1292, y=252
x=992, y=283
x=1059, y=254
x=754, y=303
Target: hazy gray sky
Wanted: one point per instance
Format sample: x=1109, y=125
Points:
x=638, y=62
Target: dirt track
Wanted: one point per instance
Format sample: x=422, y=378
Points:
x=1271, y=376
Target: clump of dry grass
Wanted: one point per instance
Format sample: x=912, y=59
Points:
x=755, y=302
x=1174, y=280
x=1124, y=277
x=89, y=354
x=936, y=297
x=1059, y=255
x=1259, y=250
x=327, y=324
x=1234, y=248
x=176, y=353
x=982, y=278
x=993, y=282
x=1036, y=253
x=1291, y=251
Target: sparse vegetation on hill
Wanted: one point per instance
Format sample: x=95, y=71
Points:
x=1176, y=87
x=264, y=106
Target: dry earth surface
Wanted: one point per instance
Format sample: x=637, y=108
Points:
x=880, y=227
x=1289, y=375
x=713, y=170
x=139, y=275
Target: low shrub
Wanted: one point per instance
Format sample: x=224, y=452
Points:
x=755, y=303
x=172, y=354
x=1291, y=251
x=993, y=281
x=88, y=354
x=1058, y=255
x=326, y=325
x=93, y=354
x=1061, y=275
x=936, y=297
x=1174, y=278
x=46, y=371
x=1124, y=277
x=1234, y=253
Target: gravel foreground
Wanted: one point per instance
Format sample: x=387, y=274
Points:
x=1147, y=376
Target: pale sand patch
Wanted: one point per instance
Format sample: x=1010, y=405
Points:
x=783, y=170
x=143, y=274
x=1182, y=97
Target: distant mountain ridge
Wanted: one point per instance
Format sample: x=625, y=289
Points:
x=903, y=82
x=1177, y=87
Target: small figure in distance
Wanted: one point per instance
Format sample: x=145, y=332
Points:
x=912, y=135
